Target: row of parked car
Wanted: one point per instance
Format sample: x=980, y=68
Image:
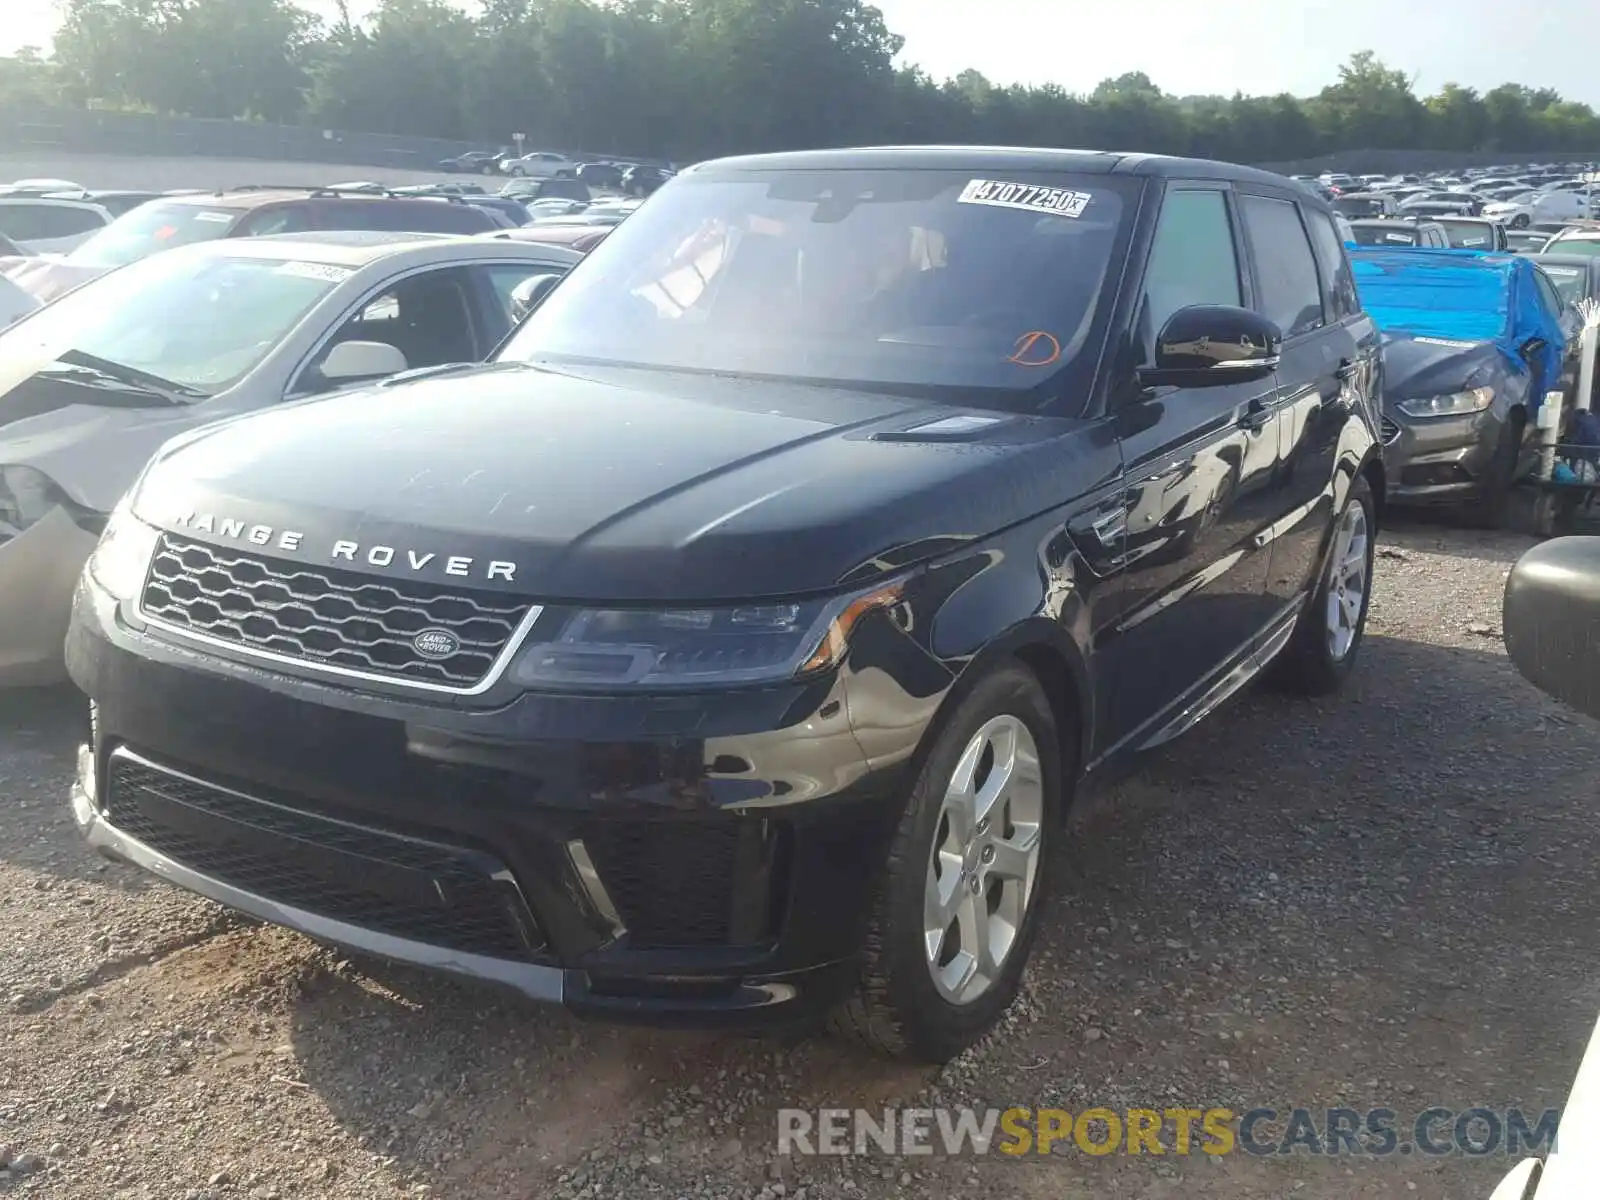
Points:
x=632, y=178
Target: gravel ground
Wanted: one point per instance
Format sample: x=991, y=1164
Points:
x=1385, y=898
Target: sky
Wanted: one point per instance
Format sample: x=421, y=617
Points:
x=1210, y=46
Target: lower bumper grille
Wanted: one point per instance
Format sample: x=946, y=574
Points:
x=688, y=883
x=1388, y=431
x=405, y=887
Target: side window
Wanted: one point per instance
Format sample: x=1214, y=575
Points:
x=1552, y=298
x=286, y=219
x=1342, y=298
x=1285, y=267
x=1192, y=260
x=505, y=277
x=427, y=317
x=26, y=221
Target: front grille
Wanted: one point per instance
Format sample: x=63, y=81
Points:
x=402, y=886
x=334, y=618
x=1388, y=431
x=678, y=883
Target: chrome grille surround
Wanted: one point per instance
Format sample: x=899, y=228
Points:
x=330, y=620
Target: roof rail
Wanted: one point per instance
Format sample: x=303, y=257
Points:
x=270, y=187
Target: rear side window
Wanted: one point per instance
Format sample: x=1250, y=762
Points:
x=23, y=222
x=1192, y=260
x=1285, y=267
x=405, y=216
x=1547, y=289
x=1341, y=282
x=283, y=218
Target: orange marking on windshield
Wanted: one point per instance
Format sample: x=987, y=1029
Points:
x=1035, y=348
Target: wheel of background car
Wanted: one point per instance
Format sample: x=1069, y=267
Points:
x=487, y=168
x=957, y=906
x=1520, y=221
x=518, y=171
x=1489, y=509
x=1322, y=651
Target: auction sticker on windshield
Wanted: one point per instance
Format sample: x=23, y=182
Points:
x=1030, y=197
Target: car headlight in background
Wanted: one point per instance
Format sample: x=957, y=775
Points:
x=1456, y=404
x=607, y=649
x=119, y=563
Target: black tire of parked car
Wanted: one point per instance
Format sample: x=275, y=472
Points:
x=1307, y=664
x=489, y=167
x=1520, y=221
x=517, y=172
x=895, y=1009
x=1492, y=505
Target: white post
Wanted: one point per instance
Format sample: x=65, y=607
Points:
x=1548, y=423
x=1588, y=347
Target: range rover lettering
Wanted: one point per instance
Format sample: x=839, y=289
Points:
x=812, y=543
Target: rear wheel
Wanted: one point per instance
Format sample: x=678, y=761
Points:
x=1322, y=652
x=956, y=910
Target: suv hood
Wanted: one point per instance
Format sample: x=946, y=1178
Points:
x=46, y=278
x=614, y=484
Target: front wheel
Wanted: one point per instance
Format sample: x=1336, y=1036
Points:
x=518, y=172
x=1521, y=221
x=1322, y=651
x=957, y=907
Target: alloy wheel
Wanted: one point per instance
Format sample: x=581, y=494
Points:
x=1347, y=581
x=985, y=859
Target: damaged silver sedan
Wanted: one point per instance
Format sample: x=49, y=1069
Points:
x=92, y=384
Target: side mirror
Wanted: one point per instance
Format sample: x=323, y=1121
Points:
x=349, y=362
x=1551, y=618
x=1205, y=345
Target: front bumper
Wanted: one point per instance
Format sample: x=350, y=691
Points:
x=38, y=570
x=1438, y=460
x=719, y=877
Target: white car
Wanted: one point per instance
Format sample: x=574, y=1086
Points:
x=94, y=382
x=1521, y=211
x=541, y=164
x=50, y=224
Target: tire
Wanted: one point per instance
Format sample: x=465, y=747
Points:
x=1491, y=507
x=1521, y=221
x=517, y=172
x=897, y=1008
x=1319, y=657
x=488, y=168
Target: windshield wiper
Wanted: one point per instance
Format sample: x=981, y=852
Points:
x=132, y=377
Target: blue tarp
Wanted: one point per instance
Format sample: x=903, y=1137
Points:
x=1462, y=295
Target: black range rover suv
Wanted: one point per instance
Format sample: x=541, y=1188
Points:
x=728, y=651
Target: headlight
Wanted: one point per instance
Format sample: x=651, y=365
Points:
x=122, y=558
x=700, y=647
x=1457, y=404
x=26, y=495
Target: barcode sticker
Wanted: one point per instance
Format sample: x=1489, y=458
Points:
x=1029, y=197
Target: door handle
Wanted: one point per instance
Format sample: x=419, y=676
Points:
x=1256, y=415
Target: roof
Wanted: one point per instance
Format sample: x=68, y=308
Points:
x=995, y=158
x=359, y=248
x=245, y=199
x=1577, y=235
x=1456, y=294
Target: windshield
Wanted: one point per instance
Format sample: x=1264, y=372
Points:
x=1394, y=234
x=1361, y=206
x=1588, y=247
x=1569, y=282
x=151, y=227
x=898, y=280
x=1467, y=235
x=216, y=317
